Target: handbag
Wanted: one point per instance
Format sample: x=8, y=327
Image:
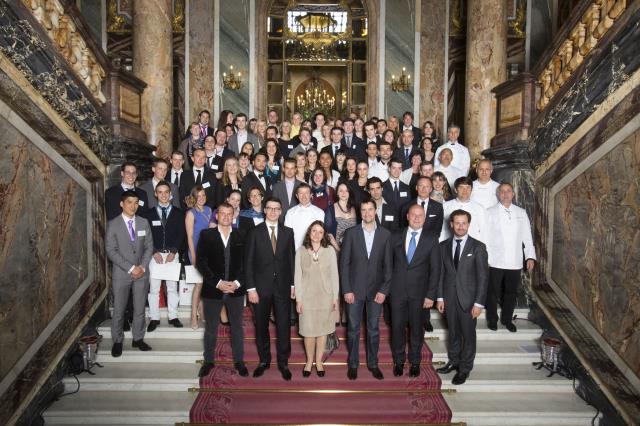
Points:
x=332, y=344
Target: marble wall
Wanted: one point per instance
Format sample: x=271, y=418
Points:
x=400, y=23
x=201, y=58
x=234, y=51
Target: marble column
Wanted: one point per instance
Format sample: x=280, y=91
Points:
x=153, y=63
x=486, y=68
x=432, y=58
x=201, y=59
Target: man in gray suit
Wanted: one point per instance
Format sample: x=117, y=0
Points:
x=242, y=136
x=305, y=143
x=285, y=190
x=365, y=262
x=129, y=247
x=159, y=169
x=461, y=294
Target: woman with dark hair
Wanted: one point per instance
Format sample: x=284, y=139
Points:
x=244, y=164
x=331, y=176
x=358, y=128
x=426, y=146
x=229, y=130
x=341, y=215
x=349, y=172
x=312, y=159
x=226, y=117
x=317, y=291
x=247, y=148
x=441, y=191
x=254, y=215
x=274, y=160
x=358, y=184
x=301, y=167
x=389, y=136
x=341, y=159
x=251, y=126
x=429, y=131
x=322, y=194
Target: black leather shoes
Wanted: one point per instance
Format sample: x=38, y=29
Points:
x=352, y=373
x=259, y=371
x=141, y=344
x=116, y=349
x=305, y=373
x=459, y=378
x=511, y=327
x=153, y=324
x=414, y=371
x=428, y=327
x=448, y=368
x=492, y=325
x=176, y=323
x=376, y=373
x=241, y=369
x=320, y=373
x=286, y=373
x=126, y=326
x=398, y=370
x=206, y=369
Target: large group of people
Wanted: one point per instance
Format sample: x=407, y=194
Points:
x=322, y=222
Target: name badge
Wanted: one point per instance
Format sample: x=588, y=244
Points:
x=403, y=194
x=354, y=146
x=470, y=254
x=156, y=223
x=276, y=167
x=142, y=233
x=319, y=194
x=290, y=146
x=234, y=220
x=388, y=218
x=141, y=203
x=206, y=185
x=214, y=167
x=432, y=215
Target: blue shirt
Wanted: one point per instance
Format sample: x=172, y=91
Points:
x=368, y=238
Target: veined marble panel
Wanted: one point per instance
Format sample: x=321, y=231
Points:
x=399, y=43
x=234, y=51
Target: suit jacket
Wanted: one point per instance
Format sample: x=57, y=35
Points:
x=210, y=131
x=280, y=192
x=417, y=134
x=250, y=181
x=124, y=253
x=211, y=263
x=217, y=164
x=406, y=161
x=209, y=183
x=265, y=271
x=184, y=148
x=300, y=148
x=468, y=284
x=365, y=276
x=418, y=279
x=151, y=194
x=358, y=148
x=172, y=236
x=285, y=147
x=433, y=218
x=112, y=201
x=387, y=194
x=232, y=143
x=390, y=218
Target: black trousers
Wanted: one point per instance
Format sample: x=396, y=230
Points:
x=212, y=308
x=281, y=309
x=503, y=284
x=406, y=311
x=355, y=311
x=461, y=348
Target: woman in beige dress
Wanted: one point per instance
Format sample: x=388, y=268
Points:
x=316, y=287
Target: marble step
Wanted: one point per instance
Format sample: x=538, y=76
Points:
x=189, y=351
x=526, y=330
x=180, y=377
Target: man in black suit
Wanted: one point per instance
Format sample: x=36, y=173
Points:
x=270, y=256
x=169, y=237
x=365, y=264
x=199, y=175
x=386, y=214
x=416, y=273
x=407, y=124
x=257, y=178
x=220, y=260
x=461, y=294
x=285, y=189
x=405, y=152
x=355, y=147
x=220, y=153
x=203, y=123
x=128, y=174
x=175, y=174
x=394, y=191
x=159, y=169
x=337, y=145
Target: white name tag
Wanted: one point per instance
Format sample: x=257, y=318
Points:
x=388, y=218
x=156, y=223
x=276, y=167
x=403, y=194
x=432, y=215
x=214, y=167
x=319, y=194
x=469, y=254
x=141, y=203
x=142, y=233
x=206, y=185
x=290, y=146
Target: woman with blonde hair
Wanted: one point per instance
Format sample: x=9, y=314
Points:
x=231, y=179
x=301, y=167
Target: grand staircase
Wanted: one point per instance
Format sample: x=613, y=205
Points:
x=157, y=387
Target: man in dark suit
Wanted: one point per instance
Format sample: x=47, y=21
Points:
x=461, y=294
x=386, y=214
x=128, y=174
x=416, y=273
x=159, y=169
x=355, y=147
x=405, y=152
x=337, y=145
x=270, y=256
x=257, y=178
x=203, y=123
x=175, y=173
x=220, y=260
x=285, y=189
x=238, y=139
x=395, y=192
x=365, y=264
x=199, y=175
x=407, y=124
x=220, y=153
x=169, y=238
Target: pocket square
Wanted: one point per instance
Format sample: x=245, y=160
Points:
x=432, y=215
x=470, y=254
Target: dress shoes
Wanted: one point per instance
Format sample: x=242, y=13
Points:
x=459, y=378
x=428, y=327
x=511, y=327
x=286, y=373
x=492, y=325
x=259, y=371
x=241, y=369
x=176, y=323
x=448, y=368
x=376, y=373
x=153, y=324
x=352, y=373
x=398, y=370
x=116, y=349
x=306, y=373
x=141, y=344
x=320, y=373
x=126, y=326
x=414, y=371
x=205, y=369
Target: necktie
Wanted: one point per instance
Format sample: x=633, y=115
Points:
x=176, y=179
x=273, y=238
x=199, y=178
x=456, y=255
x=349, y=141
x=132, y=234
x=423, y=203
x=412, y=246
x=406, y=152
x=396, y=191
x=508, y=213
x=335, y=150
x=164, y=215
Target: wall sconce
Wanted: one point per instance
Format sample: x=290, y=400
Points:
x=402, y=83
x=232, y=81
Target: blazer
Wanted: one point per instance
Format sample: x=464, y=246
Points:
x=209, y=183
x=418, y=279
x=433, y=218
x=280, y=192
x=300, y=148
x=250, y=181
x=124, y=253
x=417, y=133
x=184, y=148
x=210, y=131
x=211, y=263
x=232, y=143
x=365, y=276
x=387, y=194
x=285, y=147
x=151, y=194
x=358, y=148
x=217, y=164
x=269, y=273
x=468, y=284
x=390, y=218
x=172, y=236
x=406, y=161
x=112, y=201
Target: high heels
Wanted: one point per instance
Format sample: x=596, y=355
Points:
x=306, y=373
x=320, y=373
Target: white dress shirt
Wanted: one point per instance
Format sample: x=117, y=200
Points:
x=509, y=229
x=478, y=225
x=369, y=236
x=485, y=194
x=299, y=218
x=461, y=159
x=242, y=138
x=380, y=171
x=172, y=175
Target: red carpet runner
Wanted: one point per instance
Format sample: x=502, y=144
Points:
x=271, y=400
